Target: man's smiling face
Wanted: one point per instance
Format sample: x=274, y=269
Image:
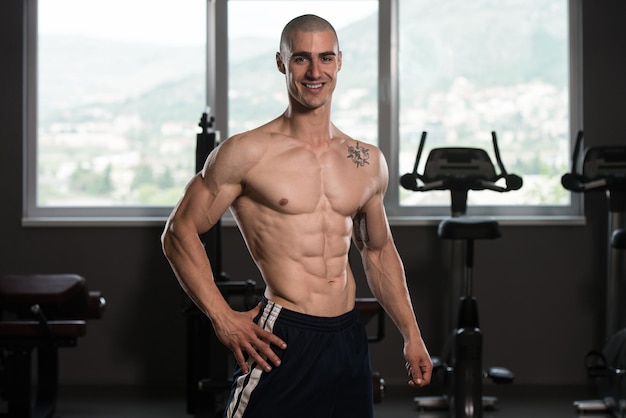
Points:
x=310, y=63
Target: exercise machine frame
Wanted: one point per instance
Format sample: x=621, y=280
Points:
x=603, y=169
x=460, y=170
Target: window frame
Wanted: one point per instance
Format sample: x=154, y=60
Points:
x=528, y=214
x=33, y=215
x=217, y=98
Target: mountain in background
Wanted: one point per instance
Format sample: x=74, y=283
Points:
x=126, y=76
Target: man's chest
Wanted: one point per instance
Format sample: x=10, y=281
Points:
x=298, y=180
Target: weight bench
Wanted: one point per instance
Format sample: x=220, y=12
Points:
x=42, y=312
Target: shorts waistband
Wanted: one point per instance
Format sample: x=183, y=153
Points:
x=305, y=321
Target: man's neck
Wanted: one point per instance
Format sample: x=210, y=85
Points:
x=311, y=125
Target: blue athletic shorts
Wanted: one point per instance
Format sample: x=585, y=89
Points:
x=324, y=373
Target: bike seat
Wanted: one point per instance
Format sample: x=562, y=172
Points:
x=469, y=227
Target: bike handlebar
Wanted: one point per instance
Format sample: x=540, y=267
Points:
x=459, y=169
x=576, y=183
x=409, y=182
x=470, y=180
x=602, y=176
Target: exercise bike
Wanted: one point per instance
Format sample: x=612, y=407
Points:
x=603, y=169
x=460, y=170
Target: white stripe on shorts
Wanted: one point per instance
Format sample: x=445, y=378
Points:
x=246, y=383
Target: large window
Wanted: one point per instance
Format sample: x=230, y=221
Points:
x=119, y=89
x=116, y=90
x=469, y=68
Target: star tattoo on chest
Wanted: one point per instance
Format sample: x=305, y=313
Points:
x=358, y=154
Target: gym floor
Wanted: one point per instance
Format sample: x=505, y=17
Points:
x=513, y=402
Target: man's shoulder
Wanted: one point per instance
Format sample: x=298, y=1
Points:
x=259, y=136
x=368, y=158
x=247, y=138
x=246, y=143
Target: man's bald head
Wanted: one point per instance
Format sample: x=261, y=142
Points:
x=304, y=23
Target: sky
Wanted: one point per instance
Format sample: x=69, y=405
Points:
x=338, y=13
x=176, y=22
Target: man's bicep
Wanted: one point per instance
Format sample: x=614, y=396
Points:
x=203, y=203
x=219, y=183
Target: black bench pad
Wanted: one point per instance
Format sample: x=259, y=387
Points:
x=34, y=329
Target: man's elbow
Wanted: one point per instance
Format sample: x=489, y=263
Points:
x=168, y=239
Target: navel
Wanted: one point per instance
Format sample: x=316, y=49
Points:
x=283, y=202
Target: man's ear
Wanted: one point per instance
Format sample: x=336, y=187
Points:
x=339, y=60
x=279, y=63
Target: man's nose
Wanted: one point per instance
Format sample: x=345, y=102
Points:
x=315, y=70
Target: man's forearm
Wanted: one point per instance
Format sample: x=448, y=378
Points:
x=193, y=271
x=386, y=279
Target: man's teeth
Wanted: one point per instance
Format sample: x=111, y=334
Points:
x=313, y=86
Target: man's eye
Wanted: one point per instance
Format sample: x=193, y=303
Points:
x=299, y=60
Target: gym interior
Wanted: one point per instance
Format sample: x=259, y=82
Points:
x=540, y=286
